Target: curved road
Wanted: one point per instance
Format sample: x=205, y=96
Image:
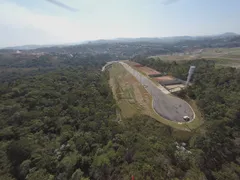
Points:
x=166, y=105
x=108, y=63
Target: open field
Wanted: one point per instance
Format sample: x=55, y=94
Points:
x=222, y=56
x=133, y=99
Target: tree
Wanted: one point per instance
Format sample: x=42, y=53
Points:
x=78, y=174
x=18, y=151
x=39, y=174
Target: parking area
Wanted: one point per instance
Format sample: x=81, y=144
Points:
x=165, y=104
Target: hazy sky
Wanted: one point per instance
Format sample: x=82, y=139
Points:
x=41, y=22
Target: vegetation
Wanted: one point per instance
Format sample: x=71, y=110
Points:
x=221, y=56
x=216, y=91
x=127, y=92
x=50, y=123
x=58, y=121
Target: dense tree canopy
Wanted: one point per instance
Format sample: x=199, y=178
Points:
x=58, y=122
x=217, y=93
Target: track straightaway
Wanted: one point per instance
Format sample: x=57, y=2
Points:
x=169, y=107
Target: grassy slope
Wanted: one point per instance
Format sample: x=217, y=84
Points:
x=133, y=99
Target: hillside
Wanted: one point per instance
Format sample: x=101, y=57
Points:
x=60, y=120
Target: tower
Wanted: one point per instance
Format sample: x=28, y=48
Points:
x=190, y=73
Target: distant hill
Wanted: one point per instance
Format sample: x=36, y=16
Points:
x=28, y=47
x=31, y=47
x=143, y=39
x=228, y=34
x=174, y=39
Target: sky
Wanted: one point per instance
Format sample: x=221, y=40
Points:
x=24, y=22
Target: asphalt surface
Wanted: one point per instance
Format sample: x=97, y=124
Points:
x=108, y=63
x=166, y=105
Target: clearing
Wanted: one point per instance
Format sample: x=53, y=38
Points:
x=133, y=99
x=222, y=56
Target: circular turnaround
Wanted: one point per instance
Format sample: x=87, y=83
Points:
x=169, y=107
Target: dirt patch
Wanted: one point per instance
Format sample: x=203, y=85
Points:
x=131, y=63
x=175, y=86
x=148, y=71
x=164, y=78
x=144, y=69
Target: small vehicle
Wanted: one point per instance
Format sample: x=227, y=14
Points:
x=186, y=118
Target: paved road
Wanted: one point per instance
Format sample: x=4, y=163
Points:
x=166, y=105
x=108, y=63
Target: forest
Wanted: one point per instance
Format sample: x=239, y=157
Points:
x=58, y=122
x=216, y=91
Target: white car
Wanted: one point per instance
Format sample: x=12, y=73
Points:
x=186, y=118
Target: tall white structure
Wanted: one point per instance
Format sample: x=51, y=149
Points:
x=190, y=73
